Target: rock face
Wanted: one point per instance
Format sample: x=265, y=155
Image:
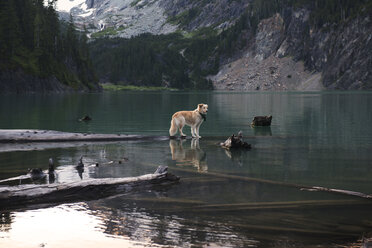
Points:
x=132, y=17
x=347, y=55
x=124, y=18
x=269, y=36
x=288, y=54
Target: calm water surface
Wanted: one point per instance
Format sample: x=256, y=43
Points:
x=316, y=139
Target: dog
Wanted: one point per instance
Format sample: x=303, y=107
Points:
x=190, y=118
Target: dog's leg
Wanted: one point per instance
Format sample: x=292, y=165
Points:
x=180, y=127
x=197, y=131
x=193, y=132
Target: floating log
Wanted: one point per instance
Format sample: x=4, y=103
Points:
x=34, y=135
x=235, y=142
x=13, y=196
x=262, y=121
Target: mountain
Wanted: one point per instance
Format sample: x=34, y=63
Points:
x=231, y=44
x=127, y=18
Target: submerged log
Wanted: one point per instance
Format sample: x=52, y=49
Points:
x=13, y=196
x=235, y=142
x=279, y=183
x=262, y=121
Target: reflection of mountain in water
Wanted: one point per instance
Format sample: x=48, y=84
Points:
x=178, y=221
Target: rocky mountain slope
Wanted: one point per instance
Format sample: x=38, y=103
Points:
x=126, y=18
x=281, y=45
x=287, y=53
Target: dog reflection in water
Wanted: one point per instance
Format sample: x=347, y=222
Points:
x=188, y=156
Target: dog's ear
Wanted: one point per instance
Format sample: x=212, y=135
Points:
x=200, y=105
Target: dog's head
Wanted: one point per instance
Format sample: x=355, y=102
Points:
x=203, y=108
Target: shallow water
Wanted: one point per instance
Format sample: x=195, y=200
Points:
x=316, y=139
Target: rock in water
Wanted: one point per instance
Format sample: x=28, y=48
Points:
x=85, y=118
x=262, y=121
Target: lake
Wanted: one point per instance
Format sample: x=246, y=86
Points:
x=224, y=199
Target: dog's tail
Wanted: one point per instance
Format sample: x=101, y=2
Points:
x=173, y=127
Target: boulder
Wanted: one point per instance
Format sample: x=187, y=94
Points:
x=261, y=121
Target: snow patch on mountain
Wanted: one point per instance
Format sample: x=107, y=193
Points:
x=67, y=5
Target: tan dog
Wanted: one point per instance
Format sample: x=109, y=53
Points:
x=191, y=118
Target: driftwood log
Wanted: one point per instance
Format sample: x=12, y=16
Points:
x=14, y=196
x=235, y=142
x=262, y=121
x=34, y=135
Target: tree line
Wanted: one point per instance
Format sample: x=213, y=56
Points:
x=34, y=40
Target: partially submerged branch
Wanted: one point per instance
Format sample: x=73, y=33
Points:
x=278, y=183
x=235, y=142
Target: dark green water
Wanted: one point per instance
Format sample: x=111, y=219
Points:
x=316, y=139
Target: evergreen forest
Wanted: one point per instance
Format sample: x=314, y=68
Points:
x=35, y=41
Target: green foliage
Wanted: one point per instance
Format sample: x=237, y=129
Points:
x=336, y=11
x=322, y=11
x=184, y=18
x=146, y=60
x=134, y=3
x=33, y=39
x=118, y=87
x=107, y=32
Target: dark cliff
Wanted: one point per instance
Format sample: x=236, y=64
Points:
x=341, y=52
x=291, y=46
